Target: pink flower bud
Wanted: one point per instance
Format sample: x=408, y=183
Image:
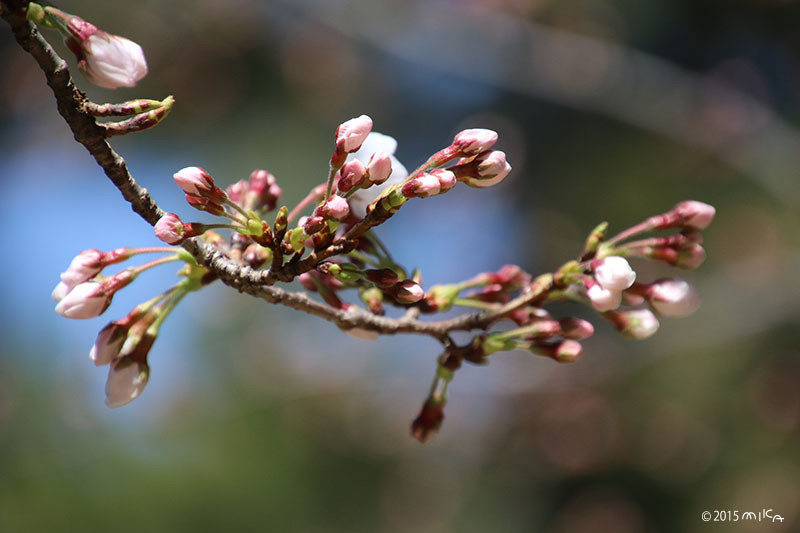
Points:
x=604, y=299
x=407, y=292
x=312, y=224
x=170, y=229
x=422, y=186
x=691, y=257
x=255, y=255
x=613, y=273
x=382, y=277
x=447, y=180
x=673, y=297
x=350, y=135
x=474, y=141
x=263, y=189
x=352, y=174
x=126, y=380
x=195, y=181
x=109, y=342
x=568, y=351
x=83, y=267
x=85, y=300
x=511, y=277
x=334, y=207
x=695, y=214
x=111, y=61
x=60, y=291
x=576, y=328
x=379, y=167
x=204, y=204
x=637, y=324
x=236, y=191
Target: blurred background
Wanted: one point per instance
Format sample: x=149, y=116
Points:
x=262, y=418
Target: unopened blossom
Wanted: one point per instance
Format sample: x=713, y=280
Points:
x=511, y=277
x=472, y=142
x=85, y=300
x=567, y=351
x=204, y=204
x=106, y=60
x=351, y=175
x=423, y=186
x=447, y=180
x=236, y=191
x=613, y=273
x=487, y=169
x=379, y=167
x=673, y=297
x=691, y=256
x=334, y=207
x=576, y=328
x=263, y=191
x=407, y=292
x=195, y=181
x=126, y=380
x=694, y=214
x=637, y=323
x=374, y=143
x=603, y=299
x=350, y=135
x=170, y=229
x=109, y=342
x=84, y=267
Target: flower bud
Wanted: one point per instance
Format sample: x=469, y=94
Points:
x=204, y=204
x=126, y=380
x=423, y=186
x=576, y=328
x=351, y=175
x=613, y=273
x=694, y=214
x=379, y=167
x=256, y=255
x=447, y=180
x=312, y=224
x=334, y=207
x=691, y=256
x=195, y=181
x=429, y=420
x=567, y=351
x=170, y=229
x=604, y=299
x=109, y=342
x=350, y=135
x=489, y=168
x=636, y=324
x=236, y=192
x=673, y=297
x=472, y=142
x=511, y=277
x=83, y=267
x=263, y=191
x=383, y=277
x=407, y=292
x=85, y=300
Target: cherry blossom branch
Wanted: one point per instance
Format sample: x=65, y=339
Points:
x=332, y=249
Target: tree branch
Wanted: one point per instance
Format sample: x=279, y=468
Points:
x=75, y=108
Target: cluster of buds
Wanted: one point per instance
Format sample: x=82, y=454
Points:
x=84, y=292
x=332, y=248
